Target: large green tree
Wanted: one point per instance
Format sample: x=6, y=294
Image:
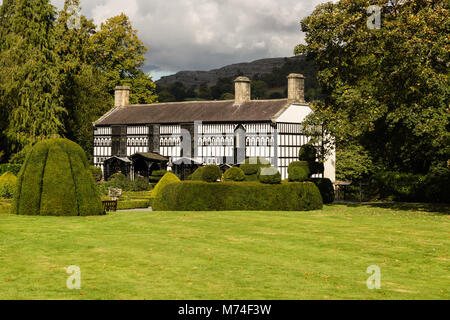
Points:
x=386, y=90
x=30, y=80
x=58, y=73
x=85, y=87
x=120, y=55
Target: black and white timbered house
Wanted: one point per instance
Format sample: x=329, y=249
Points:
x=138, y=139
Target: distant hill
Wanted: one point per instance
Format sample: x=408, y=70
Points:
x=191, y=79
x=269, y=81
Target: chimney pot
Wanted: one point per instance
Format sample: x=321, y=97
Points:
x=242, y=90
x=296, y=88
x=122, y=96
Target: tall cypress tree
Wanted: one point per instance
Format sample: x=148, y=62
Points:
x=30, y=80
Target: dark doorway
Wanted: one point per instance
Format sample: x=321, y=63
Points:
x=115, y=165
x=184, y=167
x=145, y=163
x=141, y=168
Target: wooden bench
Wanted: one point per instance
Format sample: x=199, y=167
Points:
x=110, y=205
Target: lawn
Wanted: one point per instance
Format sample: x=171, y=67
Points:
x=230, y=255
x=5, y=206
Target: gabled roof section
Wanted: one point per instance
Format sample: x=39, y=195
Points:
x=150, y=156
x=188, y=112
x=123, y=159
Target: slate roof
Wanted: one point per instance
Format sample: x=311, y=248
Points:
x=123, y=159
x=188, y=112
x=150, y=156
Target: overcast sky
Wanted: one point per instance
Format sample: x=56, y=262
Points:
x=207, y=34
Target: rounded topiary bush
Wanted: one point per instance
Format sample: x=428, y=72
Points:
x=55, y=180
x=326, y=189
x=234, y=174
x=8, y=182
x=308, y=153
x=249, y=169
x=167, y=179
x=298, y=171
x=197, y=175
x=269, y=175
x=211, y=173
x=251, y=166
x=298, y=174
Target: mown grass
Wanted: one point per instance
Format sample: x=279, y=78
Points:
x=5, y=206
x=229, y=255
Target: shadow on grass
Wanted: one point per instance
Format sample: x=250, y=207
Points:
x=443, y=209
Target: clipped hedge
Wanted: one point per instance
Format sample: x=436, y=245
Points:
x=168, y=178
x=234, y=174
x=437, y=186
x=133, y=204
x=8, y=183
x=406, y=187
x=231, y=196
x=251, y=178
x=211, y=173
x=56, y=180
x=326, y=189
x=298, y=171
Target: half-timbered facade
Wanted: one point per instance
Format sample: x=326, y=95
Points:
x=208, y=132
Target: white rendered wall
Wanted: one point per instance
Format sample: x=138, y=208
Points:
x=297, y=114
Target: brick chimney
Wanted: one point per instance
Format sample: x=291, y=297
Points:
x=242, y=90
x=296, y=88
x=121, y=96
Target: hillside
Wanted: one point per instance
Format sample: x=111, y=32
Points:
x=268, y=81
x=191, y=79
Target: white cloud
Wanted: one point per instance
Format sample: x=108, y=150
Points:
x=206, y=34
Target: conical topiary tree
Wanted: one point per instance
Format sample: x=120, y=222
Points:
x=167, y=179
x=55, y=180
